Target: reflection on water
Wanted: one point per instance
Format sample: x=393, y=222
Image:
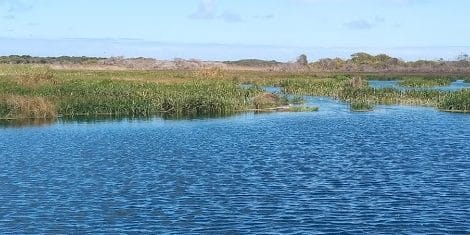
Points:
x=17, y=123
x=91, y=119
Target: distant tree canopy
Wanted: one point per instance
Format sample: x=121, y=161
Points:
x=302, y=60
x=358, y=62
x=253, y=62
x=27, y=59
x=381, y=60
x=362, y=61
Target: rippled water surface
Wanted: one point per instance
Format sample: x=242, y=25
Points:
x=393, y=170
x=454, y=86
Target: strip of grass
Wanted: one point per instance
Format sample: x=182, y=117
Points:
x=424, y=82
x=211, y=92
x=361, y=106
x=456, y=102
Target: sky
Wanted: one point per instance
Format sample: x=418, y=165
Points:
x=235, y=29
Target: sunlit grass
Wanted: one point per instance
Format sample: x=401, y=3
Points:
x=40, y=92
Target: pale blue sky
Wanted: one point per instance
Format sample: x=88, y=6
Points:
x=232, y=29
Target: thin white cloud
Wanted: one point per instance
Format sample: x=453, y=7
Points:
x=15, y=6
x=205, y=10
x=362, y=24
x=265, y=16
x=230, y=17
x=359, y=24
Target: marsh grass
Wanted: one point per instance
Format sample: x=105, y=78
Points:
x=114, y=93
x=342, y=89
x=35, y=76
x=268, y=100
x=424, y=82
x=361, y=106
x=44, y=93
x=210, y=73
x=13, y=106
x=296, y=100
x=456, y=102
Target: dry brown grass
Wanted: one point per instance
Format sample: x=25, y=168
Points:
x=267, y=100
x=211, y=72
x=27, y=107
x=35, y=76
x=357, y=82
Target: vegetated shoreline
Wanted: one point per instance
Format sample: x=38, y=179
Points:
x=359, y=62
x=37, y=91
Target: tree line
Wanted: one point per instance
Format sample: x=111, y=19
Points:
x=358, y=62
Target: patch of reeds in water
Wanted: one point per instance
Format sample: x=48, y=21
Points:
x=345, y=90
x=456, y=102
x=423, y=82
x=268, y=100
x=361, y=106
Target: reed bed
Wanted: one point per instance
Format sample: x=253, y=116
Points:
x=13, y=106
x=342, y=89
x=361, y=106
x=456, y=102
x=423, y=82
x=40, y=92
x=101, y=93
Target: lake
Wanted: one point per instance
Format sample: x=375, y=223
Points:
x=398, y=169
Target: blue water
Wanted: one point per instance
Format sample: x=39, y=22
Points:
x=395, y=170
x=454, y=86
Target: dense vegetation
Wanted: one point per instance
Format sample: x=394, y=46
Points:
x=456, y=102
x=26, y=59
x=361, y=106
x=364, y=62
x=363, y=97
x=253, y=63
x=358, y=62
x=423, y=82
x=40, y=92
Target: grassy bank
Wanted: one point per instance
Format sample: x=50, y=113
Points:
x=39, y=92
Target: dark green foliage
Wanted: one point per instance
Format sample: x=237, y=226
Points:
x=424, y=82
x=253, y=63
x=361, y=106
x=302, y=60
x=26, y=59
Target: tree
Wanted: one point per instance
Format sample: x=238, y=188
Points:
x=362, y=58
x=302, y=60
